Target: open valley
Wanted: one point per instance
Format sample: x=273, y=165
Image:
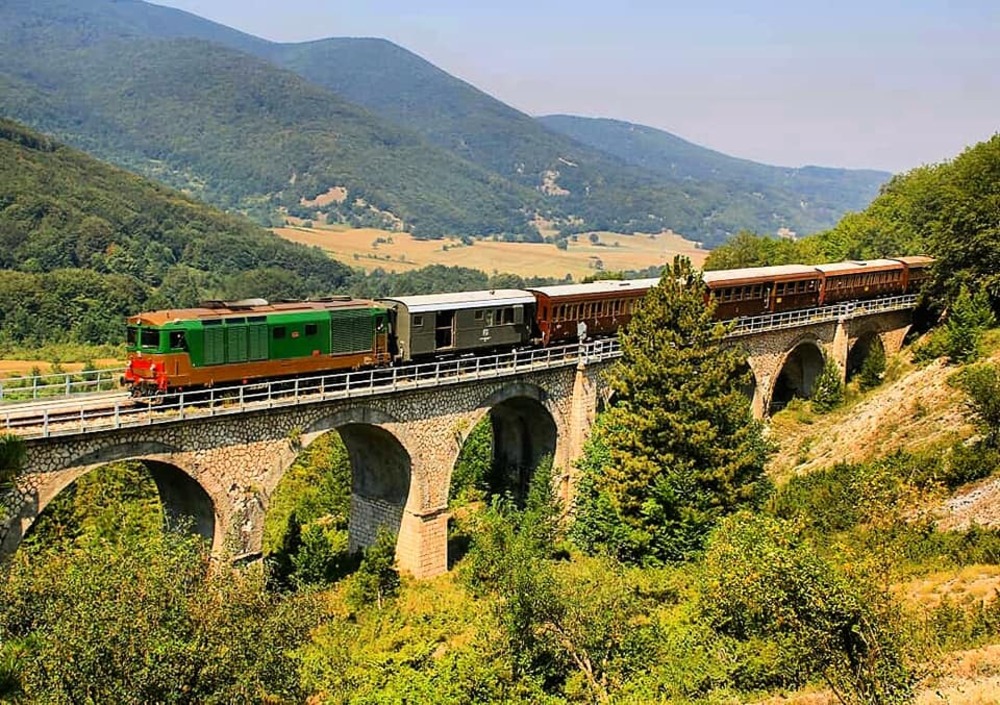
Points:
x=369, y=249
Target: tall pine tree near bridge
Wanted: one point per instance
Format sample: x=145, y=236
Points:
x=678, y=449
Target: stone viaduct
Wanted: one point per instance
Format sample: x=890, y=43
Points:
x=221, y=470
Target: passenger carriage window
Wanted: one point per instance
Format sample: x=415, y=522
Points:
x=489, y=317
x=279, y=332
x=508, y=316
x=779, y=289
x=311, y=329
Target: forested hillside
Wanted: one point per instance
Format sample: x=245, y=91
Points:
x=82, y=244
x=812, y=197
x=241, y=133
x=442, y=157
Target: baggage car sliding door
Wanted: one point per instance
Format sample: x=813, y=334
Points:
x=444, y=330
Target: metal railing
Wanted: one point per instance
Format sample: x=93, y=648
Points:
x=821, y=314
x=58, y=384
x=44, y=421
x=44, y=418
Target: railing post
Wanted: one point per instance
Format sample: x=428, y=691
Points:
x=242, y=398
x=118, y=418
x=67, y=384
x=45, y=424
x=180, y=405
x=296, y=396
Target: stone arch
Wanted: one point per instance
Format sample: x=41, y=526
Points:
x=381, y=471
x=182, y=497
x=798, y=372
x=861, y=349
x=525, y=430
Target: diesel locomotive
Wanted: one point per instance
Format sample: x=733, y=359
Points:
x=223, y=343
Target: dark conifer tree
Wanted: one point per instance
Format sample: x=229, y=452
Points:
x=679, y=448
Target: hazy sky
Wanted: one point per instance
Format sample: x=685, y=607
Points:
x=886, y=84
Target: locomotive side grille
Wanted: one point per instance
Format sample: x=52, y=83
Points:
x=351, y=331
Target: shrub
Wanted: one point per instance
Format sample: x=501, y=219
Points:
x=873, y=368
x=377, y=579
x=981, y=384
x=968, y=319
x=829, y=391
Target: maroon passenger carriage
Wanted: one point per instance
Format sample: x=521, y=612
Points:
x=759, y=290
x=597, y=309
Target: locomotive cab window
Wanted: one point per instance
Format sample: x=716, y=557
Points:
x=131, y=336
x=312, y=329
x=150, y=338
x=178, y=341
x=279, y=332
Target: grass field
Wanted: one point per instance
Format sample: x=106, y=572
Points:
x=369, y=249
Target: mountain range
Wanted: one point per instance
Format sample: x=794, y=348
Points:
x=365, y=132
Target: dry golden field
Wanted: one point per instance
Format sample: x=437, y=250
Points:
x=399, y=252
x=11, y=368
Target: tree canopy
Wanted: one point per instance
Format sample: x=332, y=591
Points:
x=678, y=448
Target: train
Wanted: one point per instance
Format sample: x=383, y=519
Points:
x=238, y=342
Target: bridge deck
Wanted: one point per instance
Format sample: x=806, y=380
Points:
x=47, y=417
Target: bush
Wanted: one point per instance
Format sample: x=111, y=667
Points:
x=982, y=385
x=968, y=319
x=873, y=368
x=377, y=579
x=829, y=391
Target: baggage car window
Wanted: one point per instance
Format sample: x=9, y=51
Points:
x=479, y=315
x=508, y=316
x=418, y=321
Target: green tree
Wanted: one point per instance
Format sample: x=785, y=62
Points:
x=143, y=620
x=797, y=616
x=376, y=579
x=981, y=384
x=575, y=631
x=970, y=315
x=12, y=456
x=678, y=448
x=471, y=475
x=873, y=368
x=828, y=392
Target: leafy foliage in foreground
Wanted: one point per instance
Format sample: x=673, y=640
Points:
x=775, y=594
x=143, y=621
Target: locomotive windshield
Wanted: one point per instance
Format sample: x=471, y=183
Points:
x=131, y=336
x=150, y=338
